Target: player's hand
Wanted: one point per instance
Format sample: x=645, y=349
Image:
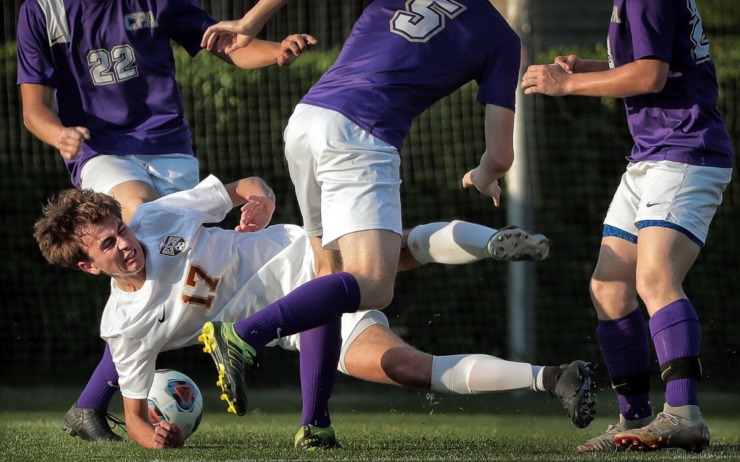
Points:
x=228, y=36
x=70, y=141
x=168, y=435
x=293, y=46
x=256, y=214
x=484, y=186
x=548, y=79
x=568, y=63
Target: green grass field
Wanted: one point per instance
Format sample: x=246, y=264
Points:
x=372, y=423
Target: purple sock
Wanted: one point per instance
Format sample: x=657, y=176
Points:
x=310, y=305
x=320, y=348
x=102, y=385
x=677, y=334
x=624, y=346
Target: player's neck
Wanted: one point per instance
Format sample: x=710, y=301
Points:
x=130, y=282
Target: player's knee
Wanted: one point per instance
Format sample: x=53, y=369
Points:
x=598, y=291
x=375, y=293
x=376, y=297
x=653, y=285
x=129, y=206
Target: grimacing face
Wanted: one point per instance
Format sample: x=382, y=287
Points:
x=113, y=250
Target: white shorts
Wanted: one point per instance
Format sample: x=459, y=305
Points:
x=346, y=180
x=166, y=173
x=353, y=324
x=666, y=193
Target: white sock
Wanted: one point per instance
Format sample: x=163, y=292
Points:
x=451, y=243
x=537, y=382
x=477, y=373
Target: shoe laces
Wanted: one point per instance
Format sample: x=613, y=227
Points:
x=117, y=422
x=669, y=417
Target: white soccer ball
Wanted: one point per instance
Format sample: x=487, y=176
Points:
x=175, y=397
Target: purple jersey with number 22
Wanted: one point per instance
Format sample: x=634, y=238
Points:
x=112, y=65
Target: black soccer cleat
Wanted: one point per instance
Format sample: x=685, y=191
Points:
x=91, y=424
x=572, y=387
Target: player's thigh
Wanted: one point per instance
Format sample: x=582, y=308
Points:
x=372, y=258
x=360, y=189
x=346, y=180
x=170, y=173
x=612, y=286
x=664, y=258
x=304, y=127
x=104, y=172
x=681, y=197
x=165, y=174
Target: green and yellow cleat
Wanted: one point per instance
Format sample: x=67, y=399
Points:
x=233, y=356
x=312, y=438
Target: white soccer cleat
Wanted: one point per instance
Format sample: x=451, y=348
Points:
x=514, y=244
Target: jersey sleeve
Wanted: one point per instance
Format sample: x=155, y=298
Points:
x=500, y=76
x=188, y=23
x=652, y=27
x=135, y=364
x=208, y=202
x=35, y=64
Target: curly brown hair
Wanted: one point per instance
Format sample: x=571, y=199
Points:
x=59, y=231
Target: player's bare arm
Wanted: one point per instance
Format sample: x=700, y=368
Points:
x=573, y=64
x=164, y=435
x=258, y=201
x=40, y=119
x=636, y=78
x=499, y=154
x=262, y=53
x=228, y=36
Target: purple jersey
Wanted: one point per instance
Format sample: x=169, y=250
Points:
x=112, y=65
x=403, y=56
x=680, y=123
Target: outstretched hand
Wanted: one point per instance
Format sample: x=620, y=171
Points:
x=256, y=214
x=293, y=46
x=485, y=187
x=228, y=36
x=548, y=79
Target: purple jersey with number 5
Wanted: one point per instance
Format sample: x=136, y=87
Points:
x=404, y=55
x=112, y=65
x=680, y=123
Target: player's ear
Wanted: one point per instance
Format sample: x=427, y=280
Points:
x=88, y=267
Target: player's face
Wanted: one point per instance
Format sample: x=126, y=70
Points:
x=113, y=250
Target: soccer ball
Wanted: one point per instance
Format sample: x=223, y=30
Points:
x=175, y=397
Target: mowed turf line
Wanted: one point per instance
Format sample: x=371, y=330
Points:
x=405, y=426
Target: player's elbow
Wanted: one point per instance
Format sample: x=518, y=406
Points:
x=29, y=119
x=654, y=84
x=653, y=75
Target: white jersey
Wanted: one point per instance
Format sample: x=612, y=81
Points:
x=196, y=274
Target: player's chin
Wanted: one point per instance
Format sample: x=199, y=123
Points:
x=136, y=263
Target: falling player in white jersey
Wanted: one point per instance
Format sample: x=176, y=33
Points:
x=170, y=275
